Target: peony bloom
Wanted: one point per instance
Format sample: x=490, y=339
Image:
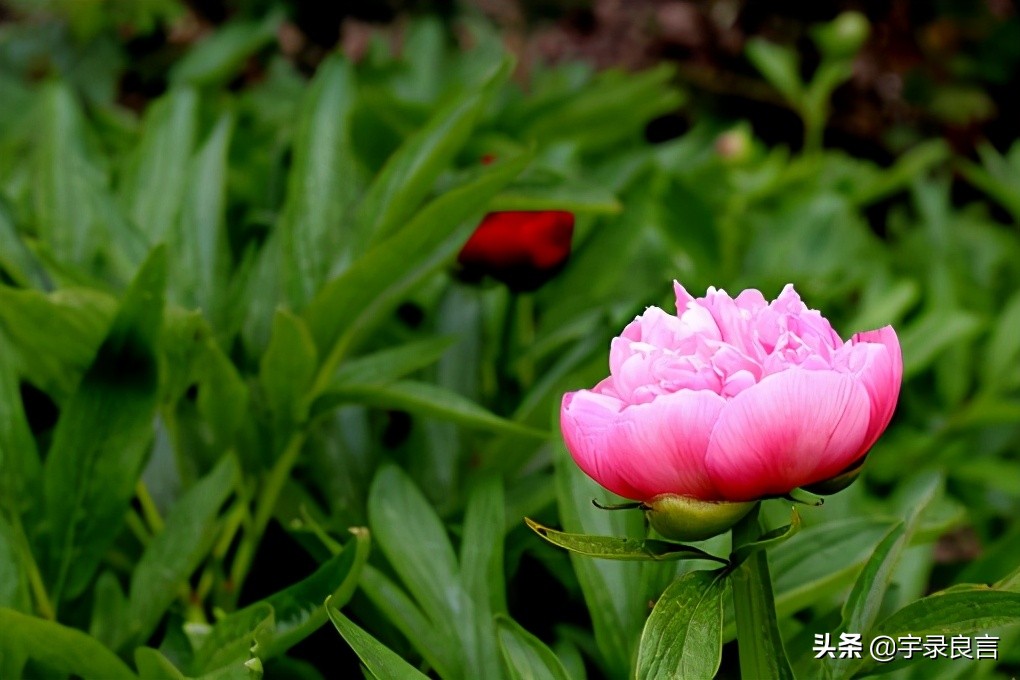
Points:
x=522, y=249
x=732, y=399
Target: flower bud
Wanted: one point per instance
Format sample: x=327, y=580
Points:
x=523, y=249
x=842, y=37
x=682, y=518
x=734, y=146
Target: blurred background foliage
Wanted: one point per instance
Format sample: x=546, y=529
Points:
x=277, y=148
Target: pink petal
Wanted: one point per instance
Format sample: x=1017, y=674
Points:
x=792, y=428
x=881, y=374
x=643, y=450
x=588, y=422
x=663, y=444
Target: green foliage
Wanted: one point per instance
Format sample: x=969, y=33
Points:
x=232, y=327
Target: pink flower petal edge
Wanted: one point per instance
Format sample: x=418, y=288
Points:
x=732, y=399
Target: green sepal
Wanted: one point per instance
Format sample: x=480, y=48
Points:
x=683, y=518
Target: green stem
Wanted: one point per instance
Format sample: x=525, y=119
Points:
x=265, y=505
x=149, y=509
x=759, y=644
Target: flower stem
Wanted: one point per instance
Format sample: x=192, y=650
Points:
x=758, y=641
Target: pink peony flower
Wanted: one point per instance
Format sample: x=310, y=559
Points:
x=732, y=399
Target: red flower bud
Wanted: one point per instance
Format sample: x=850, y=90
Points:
x=521, y=249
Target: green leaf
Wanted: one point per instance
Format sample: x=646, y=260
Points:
x=20, y=465
x=609, y=548
x=683, y=636
x=380, y=661
x=578, y=199
x=527, y=657
x=219, y=56
x=767, y=540
x=152, y=665
x=13, y=581
x=616, y=593
x=389, y=364
x=170, y=558
x=56, y=334
x=222, y=395
x=481, y=548
x=101, y=439
x=17, y=262
x=409, y=174
x=954, y=612
x=613, y=109
x=200, y=245
x=74, y=213
x=288, y=367
x=234, y=646
x=110, y=623
x=932, y=334
x=289, y=616
x=425, y=399
x=1003, y=352
x=322, y=183
x=65, y=650
x=406, y=528
x=779, y=66
x=347, y=307
x=155, y=181
x=431, y=641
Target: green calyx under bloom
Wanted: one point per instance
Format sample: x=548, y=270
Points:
x=683, y=518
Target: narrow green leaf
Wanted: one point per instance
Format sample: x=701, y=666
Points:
x=389, y=364
x=683, y=636
x=380, y=661
x=616, y=593
x=16, y=261
x=425, y=399
x=101, y=439
x=218, y=57
x=154, y=183
x=13, y=581
x=768, y=540
x=56, y=334
x=170, y=558
x=63, y=649
x=288, y=367
x=408, y=618
x=803, y=566
x=578, y=199
x=235, y=643
x=481, y=548
x=779, y=66
x=955, y=612
x=20, y=465
x=527, y=657
x=930, y=335
x=110, y=623
x=406, y=527
x=1003, y=352
x=409, y=174
x=349, y=305
x=322, y=183
x=152, y=665
x=609, y=548
x=200, y=245
x=288, y=616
